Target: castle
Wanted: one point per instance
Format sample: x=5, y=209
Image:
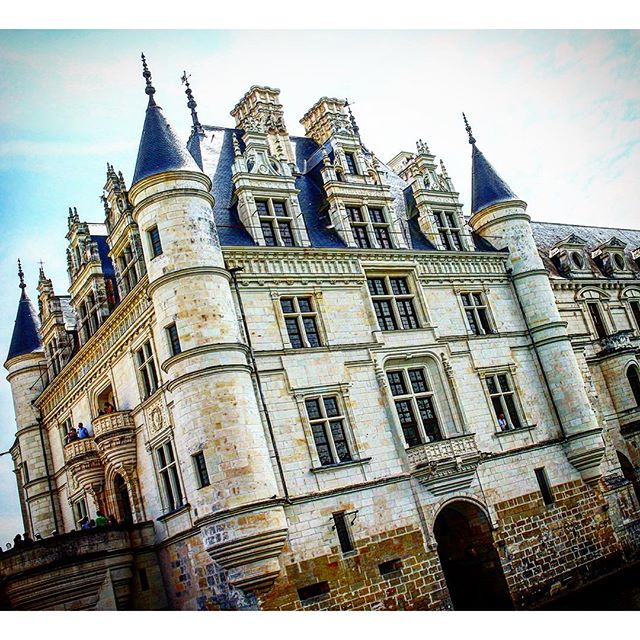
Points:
x=332, y=390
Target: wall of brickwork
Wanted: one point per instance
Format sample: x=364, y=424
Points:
x=546, y=549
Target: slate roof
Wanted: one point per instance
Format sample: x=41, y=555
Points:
x=160, y=147
x=25, y=338
x=487, y=187
x=548, y=234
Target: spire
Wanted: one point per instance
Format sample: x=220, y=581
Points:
x=487, y=187
x=160, y=147
x=352, y=120
x=41, y=275
x=197, y=132
x=25, y=338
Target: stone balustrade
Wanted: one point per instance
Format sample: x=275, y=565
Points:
x=78, y=450
x=619, y=341
x=110, y=423
x=447, y=465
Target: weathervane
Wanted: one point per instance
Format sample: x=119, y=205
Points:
x=149, y=89
x=472, y=140
x=191, y=103
x=22, y=285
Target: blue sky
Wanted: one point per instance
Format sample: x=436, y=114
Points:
x=556, y=112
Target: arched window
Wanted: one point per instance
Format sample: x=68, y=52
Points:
x=634, y=382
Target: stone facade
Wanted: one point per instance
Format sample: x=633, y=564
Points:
x=310, y=354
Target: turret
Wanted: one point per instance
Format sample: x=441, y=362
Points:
x=202, y=353
x=500, y=216
x=27, y=376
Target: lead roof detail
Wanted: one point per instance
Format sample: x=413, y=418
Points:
x=25, y=338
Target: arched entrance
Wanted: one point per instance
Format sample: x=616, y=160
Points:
x=469, y=559
x=123, y=503
x=629, y=472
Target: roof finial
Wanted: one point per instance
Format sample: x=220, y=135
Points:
x=352, y=120
x=192, y=104
x=149, y=90
x=472, y=140
x=22, y=285
x=41, y=274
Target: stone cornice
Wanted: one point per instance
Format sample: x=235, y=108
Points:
x=110, y=338
x=600, y=283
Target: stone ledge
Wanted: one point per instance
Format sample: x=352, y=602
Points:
x=525, y=429
x=340, y=465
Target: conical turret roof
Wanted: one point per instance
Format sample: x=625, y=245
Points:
x=161, y=149
x=25, y=338
x=487, y=187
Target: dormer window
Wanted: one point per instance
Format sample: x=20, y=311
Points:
x=611, y=259
x=577, y=259
x=570, y=258
x=275, y=222
x=369, y=227
x=448, y=229
x=350, y=160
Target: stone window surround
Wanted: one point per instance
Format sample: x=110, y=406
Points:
x=341, y=391
x=592, y=295
x=135, y=348
x=126, y=267
x=631, y=298
x=412, y=397
x=273, y=220
x=151, y=248
x=364, y=206
x=166, y=510
x=173, y=339
x=317, y=301
x=79, y=512
x=510, y=371
x=457, y=214
x=483, y=290
x=419, y=305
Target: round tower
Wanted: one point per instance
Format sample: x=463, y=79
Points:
x=500, y=216
x=27, y=376
x=215, y=409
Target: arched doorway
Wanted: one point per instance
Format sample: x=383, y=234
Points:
x=629, y=472
x=469, y=559
x=123, y=503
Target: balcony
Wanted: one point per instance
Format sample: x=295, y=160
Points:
x=83, y=461
x=446, y=465
x=616, y=342
x=115, y=437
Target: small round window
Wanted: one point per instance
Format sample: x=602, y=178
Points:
x=577, y=260
x=618, y=260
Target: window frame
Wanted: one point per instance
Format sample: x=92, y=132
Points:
x=325, y=421
x=512, y=391
x=345, y=540
x=635, y=388
x=201, y=470
x=128, y=270
x=360, y=217
x=168, y=476
x=147, y=364
x=173, y=339
x=544, y=486
x=298, y=317
x=153, y=236
x=473, y=310
x=274, y=221
x=77, y=512
x=348, y=166
x=391, y=299
x=413, y=397
x=446, y=232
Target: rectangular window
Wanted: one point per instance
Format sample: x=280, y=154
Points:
x=276, y=223
x=390, y=566
x=393, y=303
x=64, y=430
x=350, y=159
x=200, y=465
x=147, y=369
x=545, y=487
x=300, y=319
x=80, y=510
x=313, y=591
x=168, y=474
x=25, y=472
x=475, y=309
x=154, y=240
x=368, y=223
x=128, y=266
x=327, y=425
x=594, y=312
x=503, y=401
x=449, y=230
x=174, y=339
x=414, y=405
x=341, y=525
x=144, y=580
x=635, y=310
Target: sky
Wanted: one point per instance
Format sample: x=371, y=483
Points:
x=557, y=113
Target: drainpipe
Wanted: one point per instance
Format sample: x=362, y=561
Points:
x=535, y=350
x=233, y=271
x=46, y=469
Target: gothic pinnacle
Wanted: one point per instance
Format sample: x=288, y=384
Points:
x=192, y=104
x=41, y=275
x=472, y=140
x=352, y=120
x=22, y=285
x=149, y=89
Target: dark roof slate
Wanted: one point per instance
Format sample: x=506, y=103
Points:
x=25, y=338
x=487, y=187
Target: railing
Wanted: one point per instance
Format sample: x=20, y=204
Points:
x=618, y=341
x=446, y=465
x=109, y=423
x=451, y=448
x=76, y=449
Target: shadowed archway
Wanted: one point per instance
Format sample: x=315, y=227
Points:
x=123, y=503
x=470, y=562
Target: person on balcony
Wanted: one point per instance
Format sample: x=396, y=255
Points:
x=72, y=435
x=82, y=431
x=108, y=408
x=101, y=520
x=84, y=523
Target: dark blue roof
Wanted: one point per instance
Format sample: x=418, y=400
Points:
x=26, y=338
x=193, y=146
x=487, y=187
x=103, y=252
x=160, y=147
